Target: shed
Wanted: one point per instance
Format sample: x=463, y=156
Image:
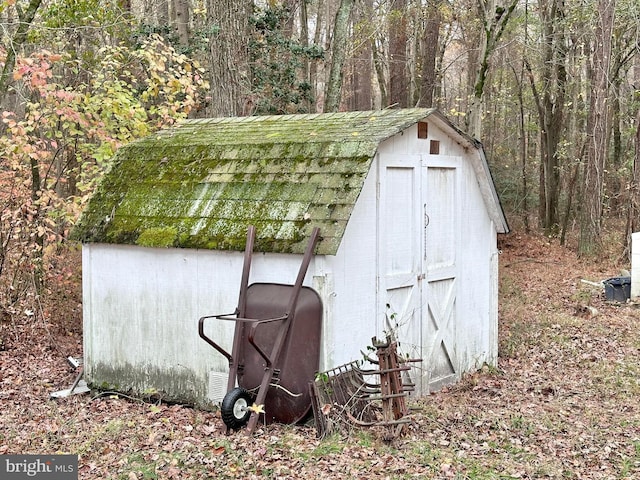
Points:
x=408, y=217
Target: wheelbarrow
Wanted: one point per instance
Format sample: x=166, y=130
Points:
x=276, y=347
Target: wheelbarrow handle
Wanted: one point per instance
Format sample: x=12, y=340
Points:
x=252, y=335
x=255, y=323
x=250, y=320
x=209, y=340
x=234, y=317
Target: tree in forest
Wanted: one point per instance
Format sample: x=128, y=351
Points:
x=428, y=49
x=398, y=58
x=633, y=214
x=338, y=55
x=229, y=58
x=550, y=104
x=495, y=17
x=624, y=50
x=361, y=66
x=598, y=127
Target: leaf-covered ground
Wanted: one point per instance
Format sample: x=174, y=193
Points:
x=563, y=402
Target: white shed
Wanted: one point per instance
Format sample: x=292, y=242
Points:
x=408, y=217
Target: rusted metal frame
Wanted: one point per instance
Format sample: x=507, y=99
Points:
x=279, y=342
x=318, y=416
x=393, y=395
x=385, y=388
x=387, y=370
x=346, y=386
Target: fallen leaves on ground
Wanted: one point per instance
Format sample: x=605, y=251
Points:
x=562, y=402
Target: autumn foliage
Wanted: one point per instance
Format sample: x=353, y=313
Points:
x=56, y=147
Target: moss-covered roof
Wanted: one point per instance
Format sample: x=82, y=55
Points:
x=202, y=182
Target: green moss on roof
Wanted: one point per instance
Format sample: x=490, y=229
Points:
x=202, y=182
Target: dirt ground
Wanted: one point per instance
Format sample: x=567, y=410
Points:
x=561, y=403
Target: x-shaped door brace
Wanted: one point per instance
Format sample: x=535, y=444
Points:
x=441, y=319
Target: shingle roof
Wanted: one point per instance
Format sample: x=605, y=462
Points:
x=202, y=182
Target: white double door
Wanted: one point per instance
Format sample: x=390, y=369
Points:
x=419, y=230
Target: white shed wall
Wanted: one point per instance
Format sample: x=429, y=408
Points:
x=141, y=308
x=350, y=306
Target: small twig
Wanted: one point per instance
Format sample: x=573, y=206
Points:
x=117, y=394
x=525, y=260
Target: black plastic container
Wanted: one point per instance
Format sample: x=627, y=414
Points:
x=617, y=289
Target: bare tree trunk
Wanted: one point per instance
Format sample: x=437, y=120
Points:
x=380, y=76
x=182, y=21
x=428, y=72
x=229, y=61
x=361, y=97
x=633, y=212
x=523, y=144
x=623, y=50
x=398, y=76
x=304, y=41
x=162, y=12
x=313, y=68
x=598, y=127
x=339, y=53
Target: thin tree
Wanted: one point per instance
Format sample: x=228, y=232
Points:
x=633, y=217
x=598, y=126
x=338, y=56
x=182, y=21
x=430, y=49
x=361, y=65
x=398, y=72
x=550, y=104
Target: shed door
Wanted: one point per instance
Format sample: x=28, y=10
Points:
x=418, y=225
x=440, y=236
x=399, y=262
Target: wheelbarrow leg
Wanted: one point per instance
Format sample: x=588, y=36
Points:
x=260, y=398
x=241, y=310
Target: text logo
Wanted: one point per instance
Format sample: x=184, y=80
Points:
x=50, y=467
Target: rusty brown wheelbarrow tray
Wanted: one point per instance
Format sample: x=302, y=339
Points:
x=276, y=347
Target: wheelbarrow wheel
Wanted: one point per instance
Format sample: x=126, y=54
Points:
x=235, y=408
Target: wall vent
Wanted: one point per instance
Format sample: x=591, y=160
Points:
x=423, y=129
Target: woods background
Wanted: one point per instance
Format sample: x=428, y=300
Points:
x=550, y=87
